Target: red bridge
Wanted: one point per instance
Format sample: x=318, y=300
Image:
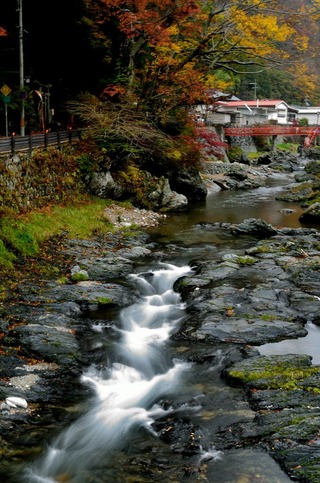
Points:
x=271, y=130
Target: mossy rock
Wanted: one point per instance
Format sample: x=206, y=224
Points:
x=285, y=372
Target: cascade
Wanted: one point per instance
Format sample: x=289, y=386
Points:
x=126, y=394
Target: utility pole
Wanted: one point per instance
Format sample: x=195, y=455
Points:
x=255, y=86
x=21, y=69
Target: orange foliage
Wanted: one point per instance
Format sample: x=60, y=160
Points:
x=168, y=50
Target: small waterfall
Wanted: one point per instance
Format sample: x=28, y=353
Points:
x=126, y=393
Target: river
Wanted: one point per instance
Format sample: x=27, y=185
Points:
x=145, y=379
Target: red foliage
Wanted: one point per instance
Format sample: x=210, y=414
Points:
x=114, y=91
x=210, y=142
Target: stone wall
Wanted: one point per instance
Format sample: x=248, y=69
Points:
x=246, y=143
x=33, y=182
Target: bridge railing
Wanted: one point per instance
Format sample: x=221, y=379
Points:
x=267, y=130
x=14, y=144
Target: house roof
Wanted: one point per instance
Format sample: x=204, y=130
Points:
x=309, y=110
x=258, y=103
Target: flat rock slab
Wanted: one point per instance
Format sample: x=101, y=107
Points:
x=93, y=293
x=253, y=331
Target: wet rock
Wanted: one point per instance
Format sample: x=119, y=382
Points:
x=280, y=161
x=265, y=159
x=107, y=267
x=302, y=177
x=252, y=331
x=52, y=338
x=287, y=419
x=92, y=293
x=298, y=192
x=313, y=167
x=311, y=214
x=187, y=181
x=234, y=176
x=254, y=227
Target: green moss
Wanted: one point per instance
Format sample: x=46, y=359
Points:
x=275, y=376
x=235, y=153
x=246, y=260
x=288, y=147
x=79, y=277
x=104, y=301
x=264, y=249
x=269, y=317
x=63, y=280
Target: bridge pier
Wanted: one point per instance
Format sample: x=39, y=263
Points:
x=274, y=142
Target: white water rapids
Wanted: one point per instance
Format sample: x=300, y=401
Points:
x=126, y=393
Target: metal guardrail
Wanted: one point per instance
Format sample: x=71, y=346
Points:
x=14, y=144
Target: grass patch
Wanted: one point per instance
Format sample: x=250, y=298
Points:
x=289, y=147
x=6, y=256
x=24, y=234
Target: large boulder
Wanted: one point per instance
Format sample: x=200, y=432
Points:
x=280, y=161
x=254, y=227
x=164, y=199
x=187, y=181
x=313, y=167
x=102, y=184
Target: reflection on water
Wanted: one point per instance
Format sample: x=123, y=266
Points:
x=245, y=466
x=304, y=345
x=233, y=207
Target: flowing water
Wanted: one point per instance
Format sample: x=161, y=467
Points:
x=127, y=391
x=145, y=378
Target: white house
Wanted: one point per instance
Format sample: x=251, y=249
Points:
x=310, y=113
x=246, y=113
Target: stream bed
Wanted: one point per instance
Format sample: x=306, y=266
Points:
x=154, y=406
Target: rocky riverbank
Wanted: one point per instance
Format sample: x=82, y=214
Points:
x=265, y=292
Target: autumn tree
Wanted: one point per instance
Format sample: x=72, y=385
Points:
x=170, y=51
x=166, y=55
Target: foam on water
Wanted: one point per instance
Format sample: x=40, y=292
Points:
x=125, y=394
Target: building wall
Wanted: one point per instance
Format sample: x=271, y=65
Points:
x=312, y=116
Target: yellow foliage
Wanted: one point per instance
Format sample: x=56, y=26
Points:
x=174, y=154
x=176, y=47
x=212, y=81
x=260, y=32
